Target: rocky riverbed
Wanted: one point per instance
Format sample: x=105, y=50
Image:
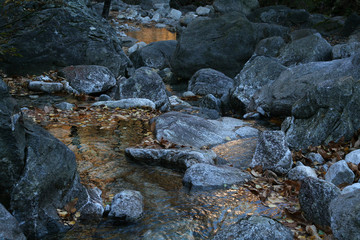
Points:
x=139, y=160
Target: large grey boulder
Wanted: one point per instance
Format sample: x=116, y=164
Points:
x=257, y=72
x=269, y=47
x=89, y=79
x=154, y=55
x=189, y=130
x=128, y=205
x=145, y=83
x=272, y=152
x=326, y=113
x=242, y=6
x=48, y=181
x=56, y=37
x=209, y=81
x=295, y=82
x=345, y=212
x=255, y=228
x=12, y=143
x=224, y=43
x=340, y=173
x=311, y=48
x=281, y=15
x=203, y=177
x=345, y=50
x=315, y=197
x=9, y=226
x=38, y=173
x=177, y=159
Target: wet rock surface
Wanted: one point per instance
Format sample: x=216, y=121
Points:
x=203, y=177
x=255, y=227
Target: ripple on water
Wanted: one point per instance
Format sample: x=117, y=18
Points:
x=170, y=212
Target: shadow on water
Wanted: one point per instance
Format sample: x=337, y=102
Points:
x=170, y=212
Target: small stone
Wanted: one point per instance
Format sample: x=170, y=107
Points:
x=188, y=94
x=340, y=173
x=175, y=14
x=47, y=87
x=65, y=106
x=351, y=188
x=301, y=172
x=203, y=11
x=127, y=205
x=353, y=157
x=315, y=157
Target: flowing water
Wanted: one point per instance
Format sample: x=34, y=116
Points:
x=170, y=211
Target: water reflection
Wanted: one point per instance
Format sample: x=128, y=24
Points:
x=149, y=34
x=170, y=212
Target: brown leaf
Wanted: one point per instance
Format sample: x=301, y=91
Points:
x=70, y=207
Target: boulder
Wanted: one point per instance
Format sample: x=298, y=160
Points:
x=281, y=15
x=340, y=173
x=145, y=83
x=257, y=72
x=272, y=152
x=189, y=130
x=269, y=47
x=312, y=48
x=247, y=132
x=315, y=197
x=209, y=81
x=301, y=172
x=353, y=157
x=12, y=143
x=48, y=87
x=224, y=43
x=237, y=153
x=295, y=82
x=179, y=160
x=128, y=205
x=48, y=181
x=154, y=55
x=345, y=50
x=60, y=36
x=203, y=177
x=255, y=228
x=344, y=212
x=326, y=113
x=211, y=102
x=242, y=6
x=351, y=188
x=153, y=4
x=93, y=207
x=9, y=226
x=89, y=79
x=127, y=103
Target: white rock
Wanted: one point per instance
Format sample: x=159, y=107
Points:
x=136, y=46
x=351, y=188
x=188, y=94
x=353, y=157
x=203, y=11
x=175, y=14
x=301, y=172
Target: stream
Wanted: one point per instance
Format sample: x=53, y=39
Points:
x=170, y=211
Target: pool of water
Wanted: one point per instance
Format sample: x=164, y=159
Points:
x=170, y=211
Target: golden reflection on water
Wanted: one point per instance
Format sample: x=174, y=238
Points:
x=149, y=34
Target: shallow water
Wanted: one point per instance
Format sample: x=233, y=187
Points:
x=170, y=211
x=149, y=34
